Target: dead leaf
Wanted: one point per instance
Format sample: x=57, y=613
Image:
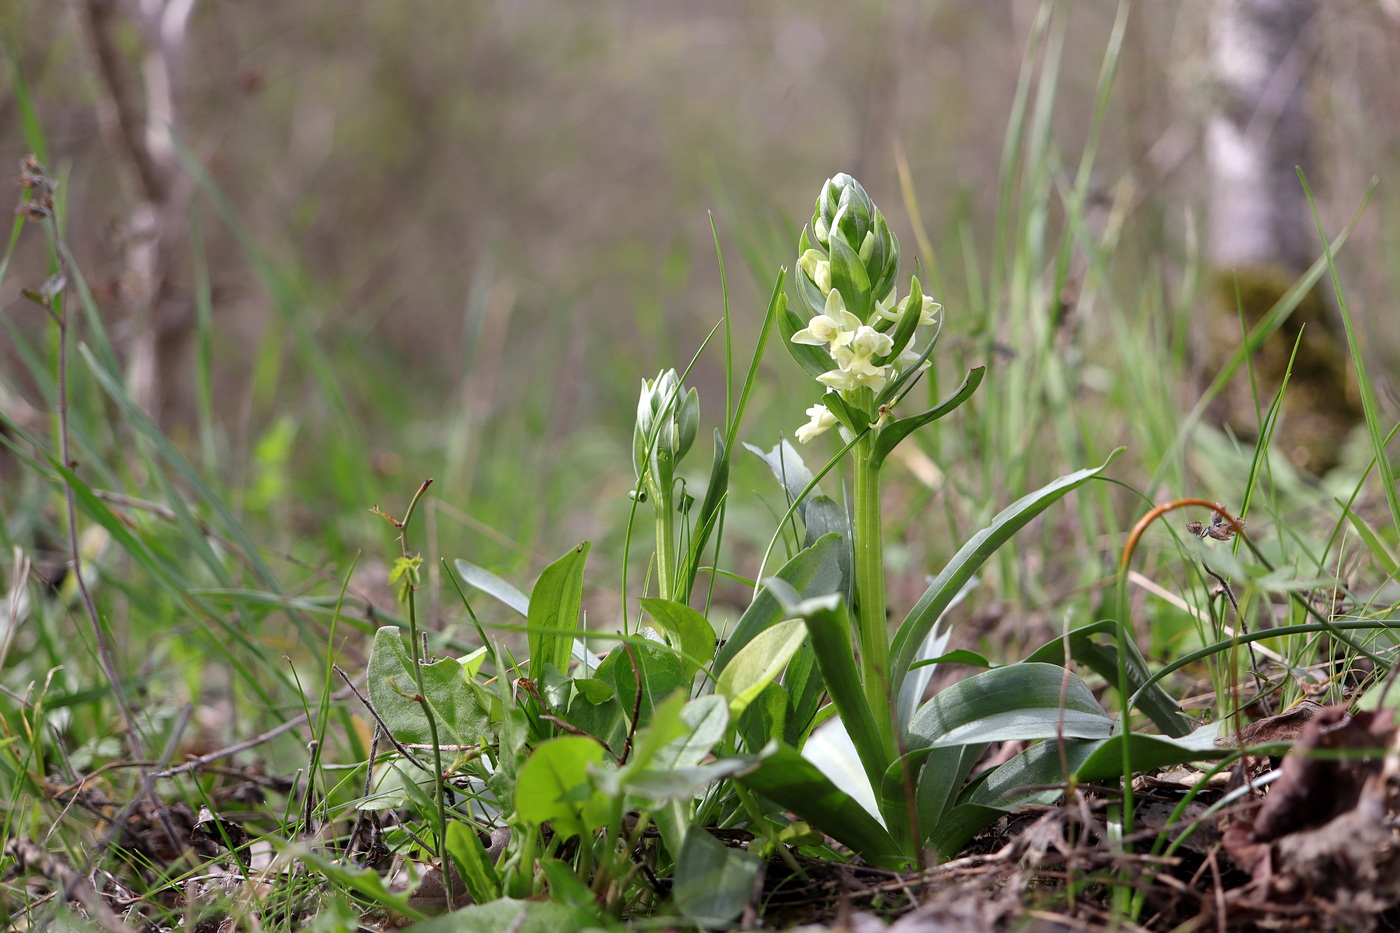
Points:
x=1327, y=833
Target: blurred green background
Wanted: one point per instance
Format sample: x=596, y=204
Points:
x=472, y=228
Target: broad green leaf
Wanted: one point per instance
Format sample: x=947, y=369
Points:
x=898, y=430
x=554, y=786
x=597, y=711
x=830, y=627
x=706, y=719
x=665, y=726
x=820, y=515
x=1102, y=659
x=830, y=748
x=766, y=718
x=663, y=784
x=554, y=611
x=942, y=777
x=1023, y=780
x=1017, y=702
x=825, y=516
x=960, y=824
x=961, y=656
x=513, y=915
x=948, y=733
x=688, y=631
x=803, y=683
x=969, y=558
x=813, y=301
x=594, y=690
x=471, y=662
x=1028, y=724
x=759, y=664
x=475, y=869
x=908, y=313
x=1149, y=752
x=492, y=585
x=662, y=674
x=813, y=571
x=788, y=468
x=565, y=886
x=793, y=782
x=915, y=683
x=393, y=688
x=854, y=418
x=813, y=360
x=713, y=882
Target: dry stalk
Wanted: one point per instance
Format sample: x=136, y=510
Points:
x=138, y=118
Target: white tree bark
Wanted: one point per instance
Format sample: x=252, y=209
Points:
x=1259, y=133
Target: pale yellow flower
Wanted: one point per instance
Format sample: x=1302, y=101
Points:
x=818, y=269
x=822, y=421
x=832, y=329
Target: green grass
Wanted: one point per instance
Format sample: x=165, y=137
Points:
x=233, y=565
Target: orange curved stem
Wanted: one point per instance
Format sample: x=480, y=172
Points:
x=1236, y=525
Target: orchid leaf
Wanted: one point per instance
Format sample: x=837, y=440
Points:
x=970, y=557
x=813, y=571
x=492, y=585
x=554, y=611
x=1102, y=659
x=759, y=663
x=789, y=780
x=689, y=632
x=898, y=430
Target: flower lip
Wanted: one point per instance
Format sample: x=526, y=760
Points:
x=822, y=420
x=833, y=329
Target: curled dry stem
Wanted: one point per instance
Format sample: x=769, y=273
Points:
x=1224, y=526
x=1236, y=526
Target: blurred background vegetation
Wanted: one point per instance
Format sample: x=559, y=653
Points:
x=449, y=240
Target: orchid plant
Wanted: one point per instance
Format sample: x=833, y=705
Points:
x=808, y=707
x=886, y=774
x=860, y=342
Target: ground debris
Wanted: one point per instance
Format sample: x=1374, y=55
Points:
x=30, y=858
x=1323, y=849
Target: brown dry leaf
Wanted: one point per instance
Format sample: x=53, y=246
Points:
x=1327, y=832
x=1284, y=727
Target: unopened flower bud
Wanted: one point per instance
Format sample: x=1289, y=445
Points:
x=668, y=421
x=845, y=210
x=818, y=269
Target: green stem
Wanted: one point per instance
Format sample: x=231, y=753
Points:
x=414, y=651
x=872, y=631
x=665, y=547
x=659, y=485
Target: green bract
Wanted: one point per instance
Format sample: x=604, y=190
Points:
x=846, y=213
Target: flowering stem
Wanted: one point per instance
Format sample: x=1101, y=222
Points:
x=665, y=548
x=872, y=631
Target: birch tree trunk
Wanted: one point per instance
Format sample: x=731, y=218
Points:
x=1262, y=236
